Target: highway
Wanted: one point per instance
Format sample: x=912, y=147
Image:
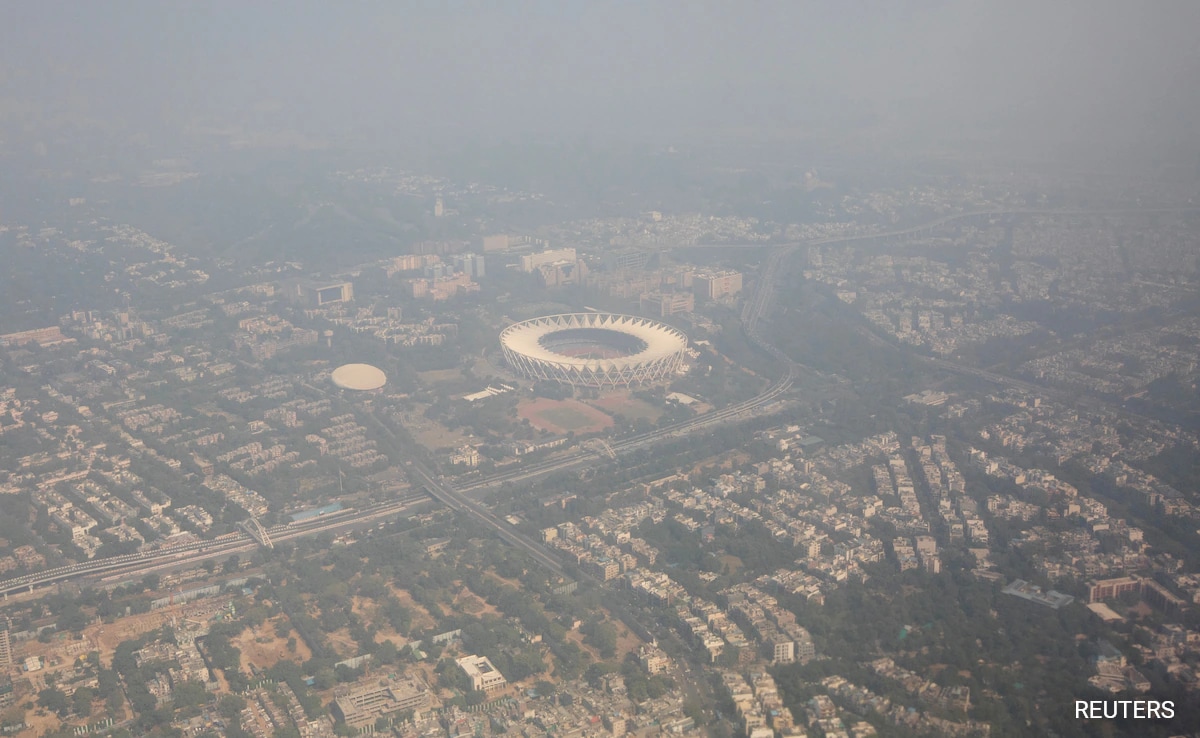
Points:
x=756, y=307
x=456, y=500
x=132, y=565
x=197, y=551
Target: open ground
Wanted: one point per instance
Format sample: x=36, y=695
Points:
x=563, y=416
x=263, y=648
x=622, y=402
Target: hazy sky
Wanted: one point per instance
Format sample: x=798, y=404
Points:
x=1096, y=70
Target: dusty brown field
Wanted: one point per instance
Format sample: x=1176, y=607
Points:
x=39, y=724
x=627, y=642
x=341, y=642
x=624, y=403
x=420, y=616
x=262, y=648
x=469, y=603
x=562, y=416
x=429, y=434
x=368, y=609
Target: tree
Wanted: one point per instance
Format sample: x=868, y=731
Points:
x=693, y=709
x=55, y=700
x=602, y=636
x=596, y=673
x=81, y=701
x=107, y=682
x=386, y=652
x=231, y=706
x=325, y=678
x=190, y=694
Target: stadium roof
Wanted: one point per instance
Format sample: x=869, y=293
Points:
x=660, y=340
x=358, y=377
x=658, y=349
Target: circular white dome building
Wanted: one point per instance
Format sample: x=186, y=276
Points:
x=593, y=349
x=360, y=377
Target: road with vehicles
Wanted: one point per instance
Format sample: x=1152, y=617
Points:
x=757, y=306
x=196, y=551
x=456, y=500
x=139, y=564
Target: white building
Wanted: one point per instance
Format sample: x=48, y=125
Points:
x=484, y=677
x=532, y=262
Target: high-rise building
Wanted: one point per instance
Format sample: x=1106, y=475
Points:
x=633, y=259
x=498, y=242
x=562, y=273
x=783, y=650
x=663, y=304
x=805, y=648
x=319, y=294
x=717, y=285
x=470, y=264
x=531, y=262
x=439, y=208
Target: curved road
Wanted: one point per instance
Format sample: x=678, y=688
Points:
x=755, y=308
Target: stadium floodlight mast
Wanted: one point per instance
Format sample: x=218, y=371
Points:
x=601, y=350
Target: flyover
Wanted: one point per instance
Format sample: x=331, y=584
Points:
x=757, y=305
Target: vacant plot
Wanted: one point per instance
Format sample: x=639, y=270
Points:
x=41, y=722
x=732, y=563
x=262, y=648
x=421, y=618
x=627, y=642
x=440, y=376
x=469, y=603
x=429, y=434
x=341, y=643
x=109, y=635
x=623, y=402
x=368, y=609
x=563, y=416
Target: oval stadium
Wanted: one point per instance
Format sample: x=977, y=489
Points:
x=593, y=349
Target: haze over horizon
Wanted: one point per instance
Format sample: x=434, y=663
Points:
x=1092, y=75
